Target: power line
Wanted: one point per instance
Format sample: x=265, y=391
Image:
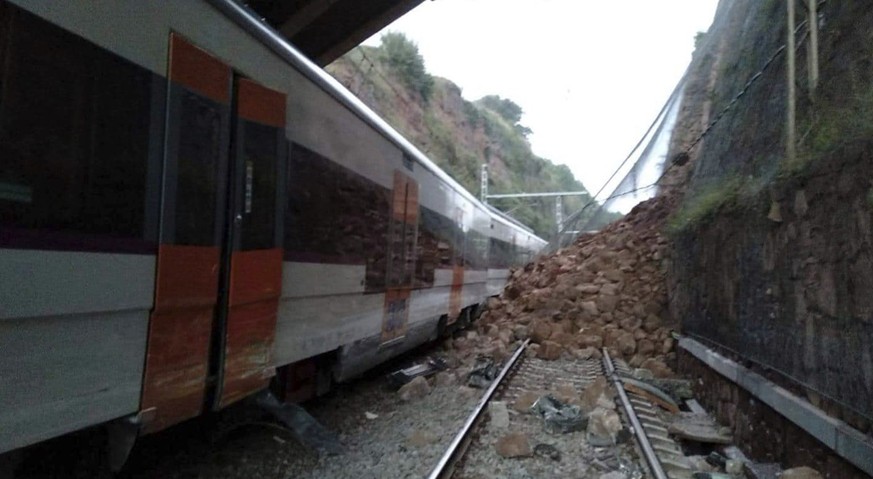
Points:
x=573, y=219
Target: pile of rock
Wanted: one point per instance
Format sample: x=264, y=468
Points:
x=606, y=290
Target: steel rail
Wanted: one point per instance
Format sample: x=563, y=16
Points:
x=447, y=457
x=639, y=432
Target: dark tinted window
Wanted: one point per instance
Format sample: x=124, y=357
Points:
x=260, y=152
x=74, y=132
x=502, y=254
x=198, y=170
x=476, y=251
x=334, y=215
x=429, y=248
x=436, y=246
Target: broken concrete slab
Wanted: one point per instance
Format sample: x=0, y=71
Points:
x=699, y=428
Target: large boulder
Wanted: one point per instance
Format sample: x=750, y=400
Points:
x=550, y=351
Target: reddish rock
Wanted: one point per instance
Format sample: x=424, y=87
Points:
x=606, y=289
x=667, y=345
x=589, y=308
x=609, y=289
x=568, y=394
x=525, y=400
x=550, y=351
x=591, y=341
x=630, y=323
x=614, y=275
x=540, y=331
x=651, y=323
x=513, y=445
x=606, y=303
x=658, y=368
x=417, y=388
x=566, y=340
x=626, y=344
x=645, y=347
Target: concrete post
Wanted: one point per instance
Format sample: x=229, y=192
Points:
x=812, y=46
x=559, y=214
x=791, y=120
x=483, y=184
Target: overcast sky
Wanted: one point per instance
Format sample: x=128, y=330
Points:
x=590, y=75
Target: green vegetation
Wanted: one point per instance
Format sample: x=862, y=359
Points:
x=460, y=135
x=508, y=109
x=699, y=37
x=402, y=55
x=716, y=198
x=838, y=122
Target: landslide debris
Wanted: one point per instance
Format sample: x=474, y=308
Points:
x=605, y=290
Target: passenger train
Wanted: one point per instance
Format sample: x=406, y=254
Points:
x=191, y=212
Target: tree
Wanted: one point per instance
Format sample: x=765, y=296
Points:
x=508, y=110
x=402, y=56
x=504, y=107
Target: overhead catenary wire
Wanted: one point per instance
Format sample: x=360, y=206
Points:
x=571, y=222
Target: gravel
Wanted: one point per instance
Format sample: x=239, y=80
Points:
x=383, y=437
x=405, y=441
x=555, y=455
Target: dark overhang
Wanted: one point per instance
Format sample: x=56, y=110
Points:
x=326, y=29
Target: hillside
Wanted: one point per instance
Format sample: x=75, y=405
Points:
x=457, y=134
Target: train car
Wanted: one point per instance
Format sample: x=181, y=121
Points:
x=511, y=243
x=192, y=212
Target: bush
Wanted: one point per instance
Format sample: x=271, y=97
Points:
x=402, y=56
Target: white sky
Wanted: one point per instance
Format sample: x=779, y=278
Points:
x=590, y=75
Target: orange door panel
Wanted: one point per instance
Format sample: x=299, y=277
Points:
x=403, y=234
x=188, y=264
x=256, y=258
x=256, y=279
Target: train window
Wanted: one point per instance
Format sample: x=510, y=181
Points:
x=198, y=170
x=502, y=254
x=427, y=250
x=260, y=147
x=334, y=215
x=74, y=134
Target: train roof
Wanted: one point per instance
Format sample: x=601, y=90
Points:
x=506, y=219
x=248, y=20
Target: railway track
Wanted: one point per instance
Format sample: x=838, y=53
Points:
x=647, y=452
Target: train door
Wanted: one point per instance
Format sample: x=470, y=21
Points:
x=402, y=235
x=192, y=224
x=456, y=292
x=219, y=264
x=252, y=255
